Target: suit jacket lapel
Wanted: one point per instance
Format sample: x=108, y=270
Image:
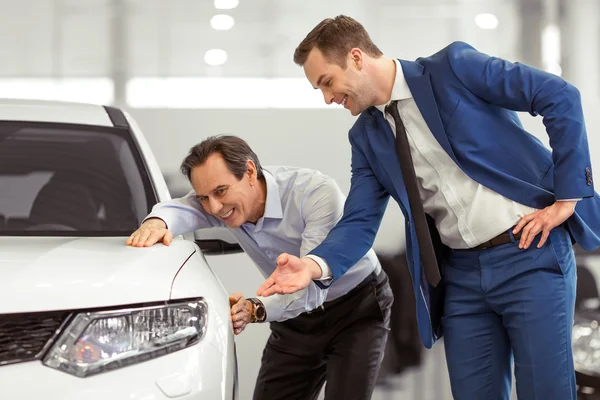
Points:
x=420, y=87
x=382, y=141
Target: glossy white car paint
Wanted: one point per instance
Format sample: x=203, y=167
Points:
x=78, y=273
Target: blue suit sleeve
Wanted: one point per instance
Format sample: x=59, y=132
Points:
x=519, y=87
x=353, y=236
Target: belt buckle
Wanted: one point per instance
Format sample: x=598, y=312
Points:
x=484, y=245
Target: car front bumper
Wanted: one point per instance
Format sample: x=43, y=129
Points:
x=199, y=372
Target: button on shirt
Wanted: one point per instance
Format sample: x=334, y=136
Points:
x=466, y=213
x=302, y=206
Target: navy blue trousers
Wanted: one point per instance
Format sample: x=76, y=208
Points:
x=504, y=304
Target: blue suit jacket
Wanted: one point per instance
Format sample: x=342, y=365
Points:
x=468, y=100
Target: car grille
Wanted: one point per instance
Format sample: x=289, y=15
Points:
x=23, y=337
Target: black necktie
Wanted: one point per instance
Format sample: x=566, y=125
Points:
x=428, y=259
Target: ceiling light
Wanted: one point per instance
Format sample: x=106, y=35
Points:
x=226, y=4
x=554, y=68
x=486, y=21
x=222, y=22
x=86, y=90
x=551, y=49
x=215, y=57
x=210, y=93
x=551, y=44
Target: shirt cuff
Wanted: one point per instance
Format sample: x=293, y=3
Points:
x=274, y=306
x=150, y=216
x=569, y=199
x=326, y=274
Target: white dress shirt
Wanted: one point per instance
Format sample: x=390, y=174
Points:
x=466, y=213
x=302, y=206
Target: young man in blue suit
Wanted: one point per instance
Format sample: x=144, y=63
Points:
x=486, y=205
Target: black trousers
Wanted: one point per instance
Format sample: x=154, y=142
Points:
x=342, y=343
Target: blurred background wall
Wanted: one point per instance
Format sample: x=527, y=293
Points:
x=188, y=69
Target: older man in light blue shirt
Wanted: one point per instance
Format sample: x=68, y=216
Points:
x=285, y=210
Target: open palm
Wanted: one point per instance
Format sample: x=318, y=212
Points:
x=291, y=275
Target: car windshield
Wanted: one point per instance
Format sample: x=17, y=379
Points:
x=70, y=180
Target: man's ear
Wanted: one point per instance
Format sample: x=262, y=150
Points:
x=251, y=171
x=356, y=57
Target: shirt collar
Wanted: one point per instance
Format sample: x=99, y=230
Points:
x=273, y=204
x=400, y=90
x=273, y=208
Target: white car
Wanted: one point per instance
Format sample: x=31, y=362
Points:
x=83, y=316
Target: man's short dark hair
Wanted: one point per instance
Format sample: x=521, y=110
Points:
x=335, y=37
x=235, y=152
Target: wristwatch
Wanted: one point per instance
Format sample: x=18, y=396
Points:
x=259, y=313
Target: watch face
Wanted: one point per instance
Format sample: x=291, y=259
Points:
x=260, y=313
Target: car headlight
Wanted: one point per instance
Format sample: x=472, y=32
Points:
x=586, y=346
x=96, y=342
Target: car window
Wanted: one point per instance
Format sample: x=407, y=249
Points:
x=60, y=179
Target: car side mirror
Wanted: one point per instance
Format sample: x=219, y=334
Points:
x=215, y=247
x=216, y=241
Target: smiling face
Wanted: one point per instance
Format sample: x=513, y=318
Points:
x=233, y=201
x=350, y=86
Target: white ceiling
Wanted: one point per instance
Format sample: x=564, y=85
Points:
x=83, y=38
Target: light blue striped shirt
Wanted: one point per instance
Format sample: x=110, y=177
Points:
x=302, y=206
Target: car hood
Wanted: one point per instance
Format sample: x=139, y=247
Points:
x=59, y=273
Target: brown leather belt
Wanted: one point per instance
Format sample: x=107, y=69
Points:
x=502, y=238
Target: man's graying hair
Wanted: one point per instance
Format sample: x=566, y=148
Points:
x=235, y=152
